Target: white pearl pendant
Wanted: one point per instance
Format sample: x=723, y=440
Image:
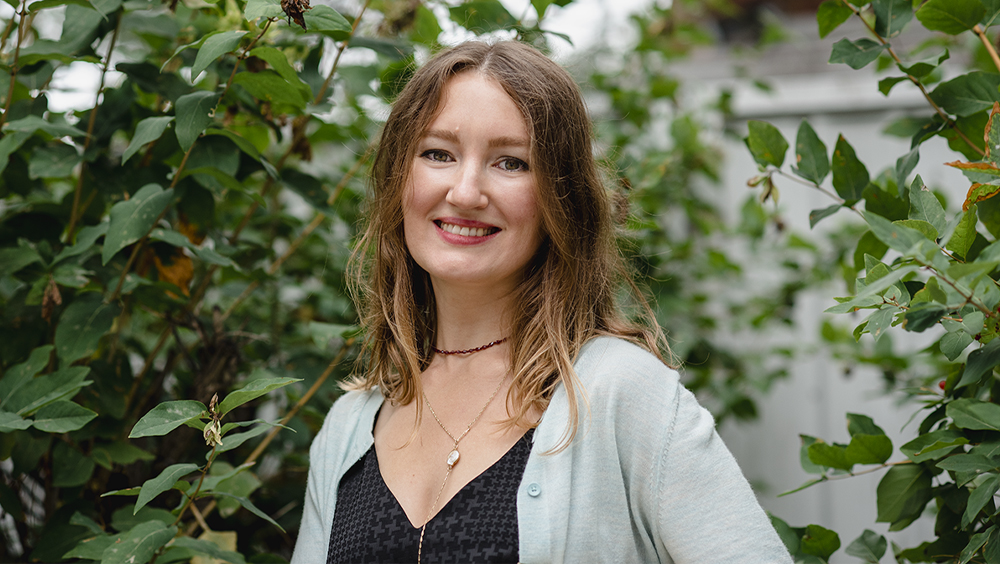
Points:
x=453, y=458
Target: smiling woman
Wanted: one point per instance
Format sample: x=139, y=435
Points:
x=490, y=282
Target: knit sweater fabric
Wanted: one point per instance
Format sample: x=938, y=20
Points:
x=646, y=479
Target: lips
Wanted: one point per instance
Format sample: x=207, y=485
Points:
x=466, y=230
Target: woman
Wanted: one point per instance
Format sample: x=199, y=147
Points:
x=509, y=411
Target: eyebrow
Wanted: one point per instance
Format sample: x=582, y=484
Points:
x=494, y=142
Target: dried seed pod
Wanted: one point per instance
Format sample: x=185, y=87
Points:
x=295, y=10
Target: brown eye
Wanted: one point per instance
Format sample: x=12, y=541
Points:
x=511, y=164
x=436, y=155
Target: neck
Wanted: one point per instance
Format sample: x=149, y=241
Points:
x=468, y=319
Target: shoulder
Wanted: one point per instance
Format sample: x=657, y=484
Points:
x=347, y=417
x=611, y=362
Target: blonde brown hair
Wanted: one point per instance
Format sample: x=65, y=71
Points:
x=568, y=293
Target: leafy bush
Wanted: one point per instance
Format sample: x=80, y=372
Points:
x=922, y=268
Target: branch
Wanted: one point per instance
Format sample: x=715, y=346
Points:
x=340, y=51
x=73, y=215
x=13, y=65
x=243, y=56
x=915, y=81
x=979, y=31
x=284, y=420
x=815, y=186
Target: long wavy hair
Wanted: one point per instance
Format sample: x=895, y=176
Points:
x=573, y=288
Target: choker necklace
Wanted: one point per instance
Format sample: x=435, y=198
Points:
x=453, y=456
x=469, y=351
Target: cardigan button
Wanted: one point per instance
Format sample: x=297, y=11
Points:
x=534, y=490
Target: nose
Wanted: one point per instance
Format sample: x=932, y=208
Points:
x=468, y=189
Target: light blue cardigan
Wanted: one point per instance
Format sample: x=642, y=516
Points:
x=646, y=479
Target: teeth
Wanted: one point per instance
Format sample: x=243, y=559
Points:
x=465, y=231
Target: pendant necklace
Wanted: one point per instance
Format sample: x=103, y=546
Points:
x=453, y=456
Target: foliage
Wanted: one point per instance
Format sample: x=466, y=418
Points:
x=185, y=239
x=922, y=269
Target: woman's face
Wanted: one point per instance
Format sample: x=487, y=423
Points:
x=470, y=209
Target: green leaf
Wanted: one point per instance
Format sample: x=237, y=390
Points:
x=979, y=498
x=904, y=166
x=831, y=456
x=891, y=16
x=810, y=155
x=871, y=294
x=897, y=237
x=20, y=374
x=868, y=449
x=92, y=548
x=323, y=18
x=147, y=131
x=980, y=363
x=194, y=114
x=954, y=343
x=881, y=320
x=766, y=143
x=858, y=424
x=975, y=543
x=139, y=544
x=992, y=13
x=962, y=238
x=62, y=417
x=82, y=325
x=252, y=391
x=155, y=486
x=976, y=463
x=53, y=161
x=70, y=468
x=482, y=16
x=819, y=541
x=830, y=15
x=13, y=259
x=969, y=413
x=166, y=417
x=870, y=547
x=209, y=548
x=933, y=445
x=815, y=216
x=924, y=67
x=925, y=228
x=903, y=492
x=85, y=239
x=951, y=16
x=923, y=316
x=233, y=441
x=45, y=389
x=263, y=9
x=856, y=54
x=133, y=218
x=968, y=93
x=12, y=422
x=33, y=123
x=215, y=45
x=251, y=508
x=925, y=206
x=127, y=492
x=10, y=143
x=119, y=452
x=279, y=62
x=269, y=86
x=323, y=333
x=885, y=85
x=850, y=177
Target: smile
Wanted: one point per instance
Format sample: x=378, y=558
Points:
x=466, y=231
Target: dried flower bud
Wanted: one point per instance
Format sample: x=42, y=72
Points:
x=213, y=434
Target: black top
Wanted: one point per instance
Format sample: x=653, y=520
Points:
x=478, y=525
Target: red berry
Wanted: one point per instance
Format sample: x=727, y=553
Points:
x=941, y=384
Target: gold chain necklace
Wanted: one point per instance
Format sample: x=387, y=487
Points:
x=453, y=456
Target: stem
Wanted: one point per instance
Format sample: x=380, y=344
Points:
x=13, y=65
x=916, y=82
x=340, y=51
x=243, y=56
x=284, y=420
x=201, y=480
x=979, y=31
x=90, y=132
x=815, y=186
x=969, y=298
x=142, y=241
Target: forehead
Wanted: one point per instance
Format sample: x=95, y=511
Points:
x=471, y=101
